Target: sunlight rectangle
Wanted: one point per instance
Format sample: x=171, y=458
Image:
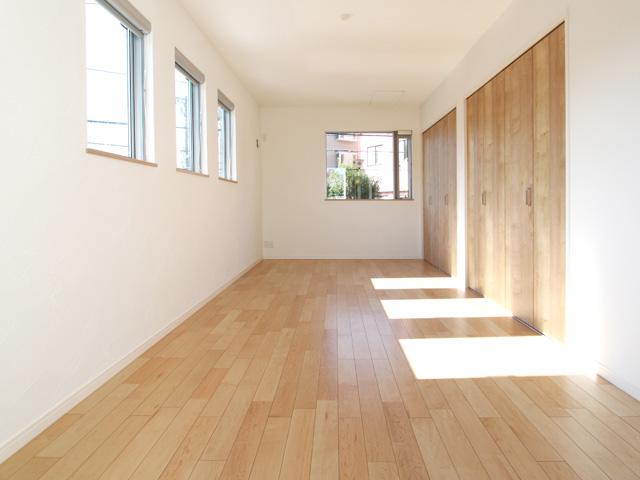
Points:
x=443, y=308
x=414, y=283
x=438, y=358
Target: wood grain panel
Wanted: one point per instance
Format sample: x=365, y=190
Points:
x=440, y=234
x=452, y=193
x=549, y=183
x=474, y=191
x=519, y=181
x=493, y=182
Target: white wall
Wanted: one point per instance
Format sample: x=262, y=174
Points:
x=603, y=101
x=98, y=255
x=296, y=217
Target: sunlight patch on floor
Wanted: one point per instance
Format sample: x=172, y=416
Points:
x=414, y=283
x=443, y=308
x=434, y=358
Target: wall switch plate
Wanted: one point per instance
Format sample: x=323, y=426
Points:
x=268, y=244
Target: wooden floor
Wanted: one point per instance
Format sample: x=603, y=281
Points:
x=296, y=372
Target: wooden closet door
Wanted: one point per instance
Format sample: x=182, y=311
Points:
x=451, y=200
x=549, y=183
x=519, y=186
x=426, y=197
x=474, y=191
x=493, y=180
x=439, y=195
x=438, y=189
x=430, y=198
x=427, y=174
x=443, y=184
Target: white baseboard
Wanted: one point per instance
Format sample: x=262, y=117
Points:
x=596, y=368
x=622, y=383
x=339, y=257
x=25, y=436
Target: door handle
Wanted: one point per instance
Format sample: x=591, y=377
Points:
x=484, y=198
x=446, y=199
x=429, y=199
x=527, y=196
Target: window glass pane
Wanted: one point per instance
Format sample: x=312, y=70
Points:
x=404, y=167
x=107, y=81
x=184, y=121
x=225, y=167
x=360, y=166
x=222, y=168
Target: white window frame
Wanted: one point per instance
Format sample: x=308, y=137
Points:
x=227, y=156
x=397, y=135
x=406, y=136
x=196, y=113
x=137, y=27
x=372, y=149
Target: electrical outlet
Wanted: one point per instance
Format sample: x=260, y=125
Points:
x=268, y=244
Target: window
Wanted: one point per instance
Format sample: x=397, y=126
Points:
x=403, y=187
x=372, y=155
x=368, y=165
x=188, y=84
x=115, y=77
x=226, y=154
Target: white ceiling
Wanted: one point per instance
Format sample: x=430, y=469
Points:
x=304, y=52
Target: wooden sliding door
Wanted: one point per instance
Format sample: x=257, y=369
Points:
x=439, y=197
x=485, y=190
x=493, y=204
x=516, y=187
x=519, y=187
x=549, y=183
x=474, y=191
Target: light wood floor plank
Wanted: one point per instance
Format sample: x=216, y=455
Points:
x=434, y=453
x=245, y=447
x=297, y=455
x=352, y=453
x=517, y=454
x=383, y=471
x=490, y=455
x=271, y=450
x=34, y=468
x=67, y=440
x=186, y=456
x=159, y=456
x=100, y=460
x=26, y=453
x=324, y=459
x=207, y=470
x=405, y=447
x=583, y=465
x=523, y=428
x=559, y=471
x=602, y=457
x=295, y=371
x=129, y=459
x=625, y=452
x=464, y=458
x=478, y=401
x=376, y=431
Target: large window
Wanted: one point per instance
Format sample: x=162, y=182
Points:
x=188, y=85
x=115, y=77
x=368, y=165
x=226, y=154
